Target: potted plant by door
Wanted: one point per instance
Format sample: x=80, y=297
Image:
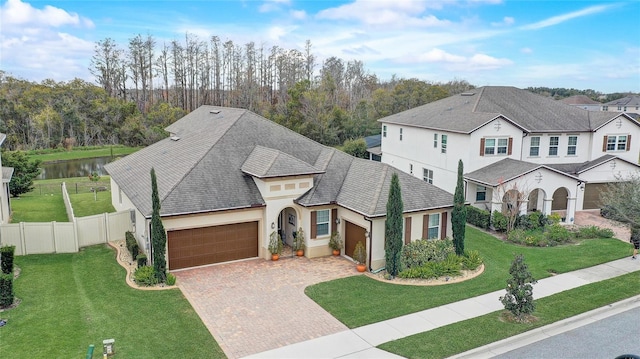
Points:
x=298, y=242
x=335, y=243
x=275, y=245
x=360, y=256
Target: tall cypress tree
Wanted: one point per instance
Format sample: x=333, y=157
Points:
x=158, y=235
x=459, y=214
x=393, y=228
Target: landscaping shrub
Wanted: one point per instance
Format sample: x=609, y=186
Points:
x=145, y=276
x=142, y=260
x=6, y=259
x=478, y=217
x=471, y=260
x=594, y=232
x=171, y=279
x=533, y=220
x=553, y=218
x=418, y=253
x=450, y=266
x=557, y=234
x=6, y=289
x=499, y=221
x=132, y=244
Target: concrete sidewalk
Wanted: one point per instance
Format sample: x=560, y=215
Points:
x=361, y=342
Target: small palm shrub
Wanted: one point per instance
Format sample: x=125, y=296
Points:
x=471, y=260
x=171, y=279
x=145, y=276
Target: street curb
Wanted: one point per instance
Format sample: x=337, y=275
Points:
x=532, y=336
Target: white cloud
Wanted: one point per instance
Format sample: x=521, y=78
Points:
x=273, y=5
x=506, y=21
x=555, y=20
x=526, y=50
x=18, y=13
x=438, y=55
x=298, y=14
x=385, y=12
x=486, y=62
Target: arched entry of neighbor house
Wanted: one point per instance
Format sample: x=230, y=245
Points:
x=287, y=225
x=511, y=201
x=353, y=234
x=536, y=200
x=560, y=199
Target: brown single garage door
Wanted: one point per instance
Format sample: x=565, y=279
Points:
x=592, y=195
x=353, y=234
x=208, y=245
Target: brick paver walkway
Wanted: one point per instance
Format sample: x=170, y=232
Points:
x=593, y=218
x=258, y=305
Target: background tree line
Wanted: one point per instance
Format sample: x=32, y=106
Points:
x=142, y=87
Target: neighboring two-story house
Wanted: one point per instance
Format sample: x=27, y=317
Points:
x=5, y=204
x=559, y=155
x=629, y=103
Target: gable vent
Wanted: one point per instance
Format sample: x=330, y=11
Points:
x=467, y=94
x=215, y=112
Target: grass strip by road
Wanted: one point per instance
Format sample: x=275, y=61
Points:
x=69, y=301
x=360, y=300
x=81, y=152
x=473, y=333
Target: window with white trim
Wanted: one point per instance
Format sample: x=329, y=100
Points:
x=605, y=108
x=481, y=193
x=534, y=147
x=617, y=143
x=427, y=175
x=443, y=143
x=495, y=146
x=434, y=226
x=322, y=222
x=435, y=140
x=384, y=130
x=553, y=145
x=572, y=146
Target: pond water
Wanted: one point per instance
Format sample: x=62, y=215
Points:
x=82, y=167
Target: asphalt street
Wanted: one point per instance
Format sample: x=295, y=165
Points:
x=606, y=338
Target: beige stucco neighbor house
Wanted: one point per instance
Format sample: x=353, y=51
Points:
x=5, y=204
x=228, y=178
x=560, y=156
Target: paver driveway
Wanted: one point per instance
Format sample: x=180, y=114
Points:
x=258, y=305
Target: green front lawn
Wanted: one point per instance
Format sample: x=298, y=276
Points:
x=466, y=335
x=69, y=301
x=360, y=300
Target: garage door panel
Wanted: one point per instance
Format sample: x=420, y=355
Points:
x=592, y=193
x=208, y=245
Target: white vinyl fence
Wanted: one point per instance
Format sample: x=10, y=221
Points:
x=65, y=237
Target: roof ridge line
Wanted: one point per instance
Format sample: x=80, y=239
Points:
x=475, y=105
x=379, y=188
x=195, y=164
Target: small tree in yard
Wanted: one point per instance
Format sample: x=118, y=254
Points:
x=459, y=213
x=512, y=196
x=622, y=199
x=158, y=235
x=393, y=228
x=24, y=172
x=519, y=297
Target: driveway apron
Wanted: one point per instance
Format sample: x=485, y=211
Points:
x=257, y=305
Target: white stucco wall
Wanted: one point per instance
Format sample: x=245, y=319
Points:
x=583, y=148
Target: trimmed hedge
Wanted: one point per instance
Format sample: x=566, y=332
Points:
x=6, y=259
x=6, y=290
x=478, y=217
x=418, y=253
x=132, y=244
x=499, y=221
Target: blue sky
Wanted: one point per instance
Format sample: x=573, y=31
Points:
x=579, y=44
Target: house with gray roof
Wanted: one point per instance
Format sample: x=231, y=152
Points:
x=582, y=101
x=228, y=179
x=560, y=155
x=629, y=103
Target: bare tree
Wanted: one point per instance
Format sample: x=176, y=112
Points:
x=106, y=66
x=513, y=196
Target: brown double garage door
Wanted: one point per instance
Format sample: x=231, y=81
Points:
x=208, y=245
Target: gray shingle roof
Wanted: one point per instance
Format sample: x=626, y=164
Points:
x=266, y=162
x=7, y=173
x=578, y=168
x=470, y=110
x=202, y=171
x=506, y=170
x=632, y=100
x=580, y=100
